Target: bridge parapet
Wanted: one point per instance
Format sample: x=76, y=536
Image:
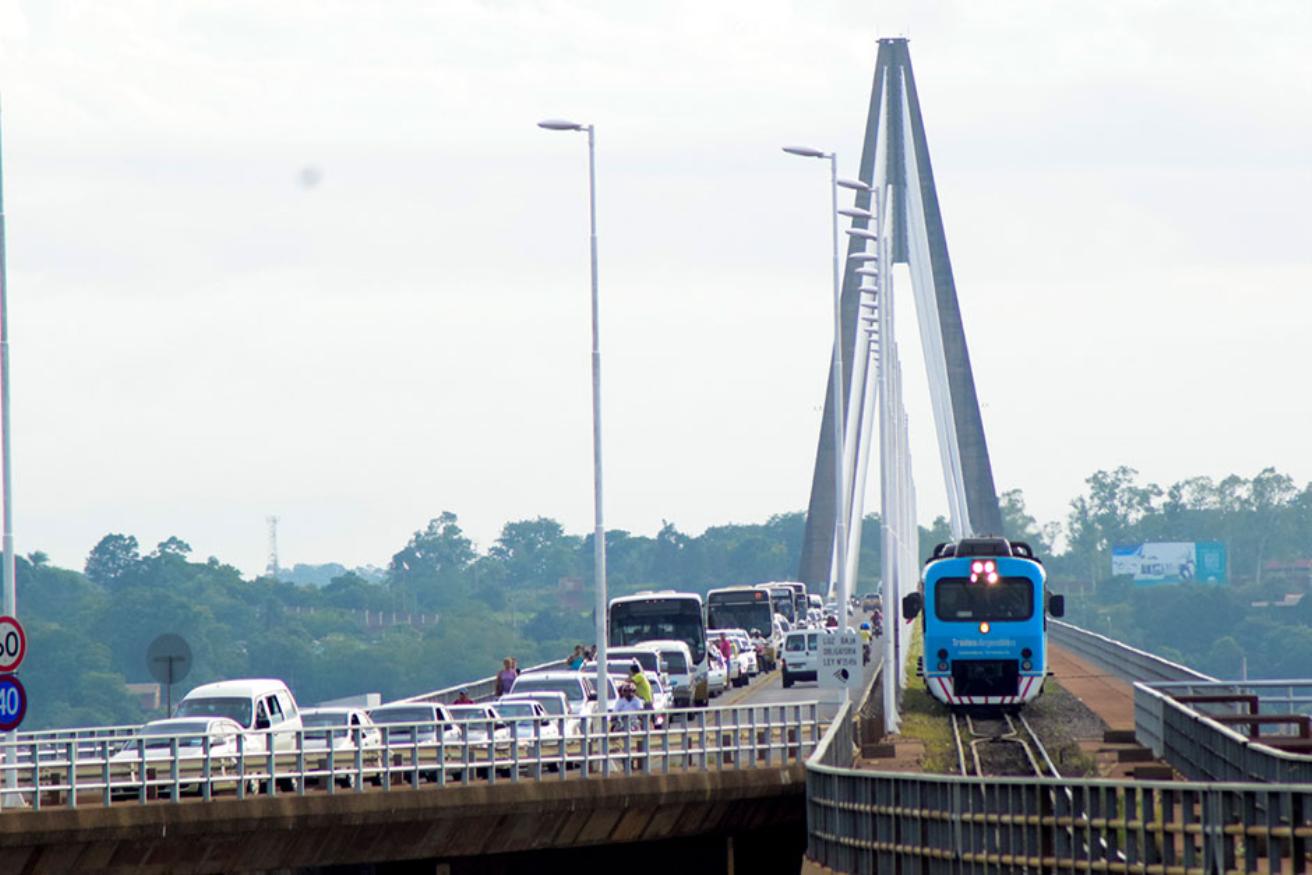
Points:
x=1203, y=747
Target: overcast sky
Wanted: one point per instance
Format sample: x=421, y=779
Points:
x=201, y=339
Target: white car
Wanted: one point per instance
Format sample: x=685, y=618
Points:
x=554, y=705
x=579, y=690
x=527, y=721
x=263, y=706
x=649, y=659
x=738, y=665
x=717, y=674
x=341, y=730
x=157, y=740
x=479, y=723
x=405, y=724
x=746, y=650
x=676, y=661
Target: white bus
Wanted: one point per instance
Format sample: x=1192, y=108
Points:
x=664, y=615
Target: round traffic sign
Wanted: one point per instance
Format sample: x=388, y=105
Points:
x=13, y=703
x=13, y=644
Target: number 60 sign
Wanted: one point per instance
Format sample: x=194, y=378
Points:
x=13, y=644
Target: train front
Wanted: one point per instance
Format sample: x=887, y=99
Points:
x=984, y=630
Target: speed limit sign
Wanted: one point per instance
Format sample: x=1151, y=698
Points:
x=13, y=644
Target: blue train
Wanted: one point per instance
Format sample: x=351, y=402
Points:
x=984, y=623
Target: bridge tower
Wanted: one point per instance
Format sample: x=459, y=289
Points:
x=895, y=163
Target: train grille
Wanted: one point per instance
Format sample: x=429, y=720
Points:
x=985, y=677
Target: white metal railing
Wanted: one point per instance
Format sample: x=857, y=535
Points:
x=144, y=769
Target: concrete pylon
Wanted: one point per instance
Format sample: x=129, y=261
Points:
x=895, y=158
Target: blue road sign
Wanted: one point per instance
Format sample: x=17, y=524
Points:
x=13, y=703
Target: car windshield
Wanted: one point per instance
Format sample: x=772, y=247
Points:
x=550, y=704
x=232, y=708
x=529, y=684
x=311, y=720
x=959, y=600
x=515, y=709
x=796, y=644
x=191, y=734
x=468, y=712
x=403, y=715
x=675, y=662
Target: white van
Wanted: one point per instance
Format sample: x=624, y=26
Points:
x=676, y=660
x=801, y=656
x=263, y=707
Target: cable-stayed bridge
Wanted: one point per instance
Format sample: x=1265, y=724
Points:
x=768, y=779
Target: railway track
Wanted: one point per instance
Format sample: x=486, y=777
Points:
x=1006, y=745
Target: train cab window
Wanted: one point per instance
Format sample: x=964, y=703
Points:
x=959, y=600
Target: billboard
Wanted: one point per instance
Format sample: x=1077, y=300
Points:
x=1173, y=562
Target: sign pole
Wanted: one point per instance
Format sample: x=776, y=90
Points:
x=6, y=482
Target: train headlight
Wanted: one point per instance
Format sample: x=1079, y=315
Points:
x=983, y=628
x=993, y=577
x=977, y=567
x=1026, y=665
x=942, y=666
x=942, y=653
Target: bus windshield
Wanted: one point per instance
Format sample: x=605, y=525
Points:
x=680, y=619
x=782, y=600
x=745, y=609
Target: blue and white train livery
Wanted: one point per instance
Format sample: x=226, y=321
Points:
x=984, y=623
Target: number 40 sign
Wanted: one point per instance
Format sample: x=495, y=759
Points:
x=13, y=698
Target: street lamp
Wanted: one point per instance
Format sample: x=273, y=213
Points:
x=599, y=533
x=840, y=518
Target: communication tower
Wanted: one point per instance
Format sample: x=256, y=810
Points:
x=272, y=568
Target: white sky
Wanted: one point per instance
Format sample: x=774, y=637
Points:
x=199, y=341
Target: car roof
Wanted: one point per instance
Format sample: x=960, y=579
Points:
x=167, y=722
x=663, y=644
x=535, y=694
x=244, y=687
x=552, y=675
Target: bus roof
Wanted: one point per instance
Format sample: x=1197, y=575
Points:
x=657, y=595
x=744, y=587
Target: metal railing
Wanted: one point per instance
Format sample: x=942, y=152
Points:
x=865, y=821
x=145, y=769
x=861, y=821
x=1202, y=748
x=1121, y=660
x=481, y=690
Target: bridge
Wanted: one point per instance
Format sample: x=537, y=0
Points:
x=1202, y=775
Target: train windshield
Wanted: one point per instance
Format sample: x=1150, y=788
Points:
x=959, y=600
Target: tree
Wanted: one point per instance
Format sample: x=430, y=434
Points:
x=1269, y=496
x=112, y=558
x=173, y=546
x=432, y=562
x=534, y=552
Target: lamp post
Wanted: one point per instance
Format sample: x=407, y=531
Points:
x=599, y=533
x=836, y=391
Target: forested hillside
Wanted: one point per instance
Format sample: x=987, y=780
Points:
x=458, y=612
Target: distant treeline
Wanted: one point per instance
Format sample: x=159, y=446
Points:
x=529, y=596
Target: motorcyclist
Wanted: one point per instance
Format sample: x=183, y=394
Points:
x=866, y=635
